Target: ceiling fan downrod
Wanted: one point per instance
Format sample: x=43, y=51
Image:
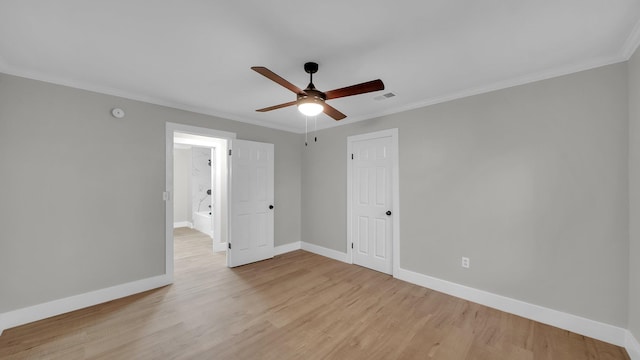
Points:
x=311, y=68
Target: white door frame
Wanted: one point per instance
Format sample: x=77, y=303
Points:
x=170, y=129
x=395, y=193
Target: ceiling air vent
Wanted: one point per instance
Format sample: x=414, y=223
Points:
x=384, y=96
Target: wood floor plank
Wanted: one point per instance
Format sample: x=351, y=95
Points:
x=296, y=306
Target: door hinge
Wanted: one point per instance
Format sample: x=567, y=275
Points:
x=229, y=245
x=352, y=245
x=351, y=156
x=229, y=152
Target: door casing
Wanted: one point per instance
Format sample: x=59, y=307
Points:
x=170, y=129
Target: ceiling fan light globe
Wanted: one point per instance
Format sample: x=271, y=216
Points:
x=310, y=108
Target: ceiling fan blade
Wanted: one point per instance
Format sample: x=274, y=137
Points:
x=277, y=106
x=370, y=86
x=333, y=112
x=276, y=78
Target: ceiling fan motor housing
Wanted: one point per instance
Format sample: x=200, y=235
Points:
x=311, y=94
x=311, y=67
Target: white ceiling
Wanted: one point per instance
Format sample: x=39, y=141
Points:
x=196, y=54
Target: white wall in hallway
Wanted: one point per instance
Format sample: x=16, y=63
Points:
x=182, y=213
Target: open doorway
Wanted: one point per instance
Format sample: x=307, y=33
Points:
x=200, y=186
x=197, y=194
x=246, y=210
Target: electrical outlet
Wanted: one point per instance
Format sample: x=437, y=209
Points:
x=465, y=262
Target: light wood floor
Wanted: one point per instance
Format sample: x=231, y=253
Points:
x=296, y=306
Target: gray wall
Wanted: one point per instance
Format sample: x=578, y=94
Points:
x=529, y=182
x=181, y=185
x=634, y=194
x=98, y=183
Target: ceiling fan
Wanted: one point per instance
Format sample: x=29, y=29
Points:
x=312, y=101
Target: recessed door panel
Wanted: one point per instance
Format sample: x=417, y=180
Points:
x=363, y=235
x=380, y=237
x=363, y=180
x=380, y=181
x=261, y=229
x=242, y=236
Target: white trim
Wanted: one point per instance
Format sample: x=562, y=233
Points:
x=395, y=188
x=579, y=325
x=220, y=184
x=168, y=201
x=483, y=89
x=630, y=45
x=132, y=95
x=632, y=346
x=180, y=224
x=56, y=307
x=219, y=247
x=326, y=252
x=281, y=249
x=395, y=193
x=349, y=199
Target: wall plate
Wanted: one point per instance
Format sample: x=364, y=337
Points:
x=117, y=113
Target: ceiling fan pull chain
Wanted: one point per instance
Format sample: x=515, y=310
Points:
x=306, y=122
x=315, y=128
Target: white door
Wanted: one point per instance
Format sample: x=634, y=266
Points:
x=371, y=224
x=251, y=230
x=213, y=205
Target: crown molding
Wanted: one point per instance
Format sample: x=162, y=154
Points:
x=631, y=44
x=82, y=85
x=500, y=85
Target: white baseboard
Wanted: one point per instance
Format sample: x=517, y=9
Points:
x=56, y=307
x=281, y=249
x=219, y=247
x=326, y=252
x=579, y=325
x=180, y=224
x=632, y=346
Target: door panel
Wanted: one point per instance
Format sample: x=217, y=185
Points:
x=363, y=235
x=372, y=228
x=251, y=232
x=380, y=236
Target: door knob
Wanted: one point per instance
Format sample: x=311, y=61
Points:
x=270, y=206
x=388, y=213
